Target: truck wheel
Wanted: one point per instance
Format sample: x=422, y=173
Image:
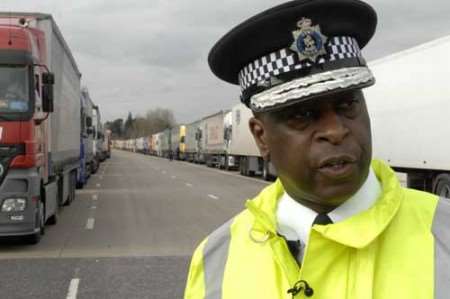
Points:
x=265, y=173
x=72, y=182
x=94, y=167
x=33, y=239
x=36, y=237
x=443, y=186
x=208, y=162
x=52, y=220
x=79, y=185
x=42, y=217
x=242, y=163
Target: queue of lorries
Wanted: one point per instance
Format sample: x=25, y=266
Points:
x=51, y=136
x=220, y=140
x=409, y=108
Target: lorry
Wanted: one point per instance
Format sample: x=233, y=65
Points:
x=156, y=144
x=177, y=141
x=192, y=141
x=409, y=109
x=140, y=145
x=97, y=138
x=165, y=143
x=243, y=146
x=215, y=136
x=39, y=124
x=174, y=147
x=182, y=144
x=106, y=145
x=86, y=139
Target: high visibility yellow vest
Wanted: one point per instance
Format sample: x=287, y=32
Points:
x=399, y=248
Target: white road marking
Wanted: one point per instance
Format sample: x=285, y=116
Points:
x=188, y=184
x=93, y=207
x=98, y=185
x=213, y=196
x=230, y=173
x=73, y=288
x=90, y=223
x=174, y=177
x=94, y=197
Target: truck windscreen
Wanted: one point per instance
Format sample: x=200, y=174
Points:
x=14, y=89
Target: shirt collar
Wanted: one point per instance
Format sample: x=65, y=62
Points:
x=295, y=220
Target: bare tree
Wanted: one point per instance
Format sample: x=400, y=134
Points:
x=155, y=120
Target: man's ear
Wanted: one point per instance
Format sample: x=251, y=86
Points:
x=260, y=134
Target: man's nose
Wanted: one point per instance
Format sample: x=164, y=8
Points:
x=330, y=127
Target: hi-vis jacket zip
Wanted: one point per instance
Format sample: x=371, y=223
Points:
x=399, y=248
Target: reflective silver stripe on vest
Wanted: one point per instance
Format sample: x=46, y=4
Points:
x=441, y=232
x=215, y=254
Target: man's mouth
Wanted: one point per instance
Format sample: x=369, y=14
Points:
x=337, y=166
x=336, y=161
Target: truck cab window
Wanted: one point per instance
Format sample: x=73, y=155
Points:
x=14, y=89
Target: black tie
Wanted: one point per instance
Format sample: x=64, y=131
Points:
x=322, y=219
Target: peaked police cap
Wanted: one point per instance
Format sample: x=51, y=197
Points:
x=296, y=51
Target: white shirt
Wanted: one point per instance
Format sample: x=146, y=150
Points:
x=295, y=220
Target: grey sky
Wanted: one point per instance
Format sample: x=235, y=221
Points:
x=140, y=54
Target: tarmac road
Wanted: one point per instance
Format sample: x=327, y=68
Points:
x=129, y=233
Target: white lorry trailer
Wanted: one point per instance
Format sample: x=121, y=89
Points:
x=409, y=107
x=243, y=146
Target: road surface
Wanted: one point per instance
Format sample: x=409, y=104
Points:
x=129, y=233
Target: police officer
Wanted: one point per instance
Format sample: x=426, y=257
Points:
x=336, y=224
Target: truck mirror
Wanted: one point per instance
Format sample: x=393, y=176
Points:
x=89, y=121
x=48, y=78
x=47, y=98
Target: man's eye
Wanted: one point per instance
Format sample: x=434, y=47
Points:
x=348, y=103
x=301, y=119
x=349, y=108
x=303, y=115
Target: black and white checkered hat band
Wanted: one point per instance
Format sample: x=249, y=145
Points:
x=286, y=60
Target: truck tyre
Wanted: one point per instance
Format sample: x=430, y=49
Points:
x=242, y=164
x=442, y=187
x=33, y=239
x=42, y=217
x=72, y=183
x=226, y=166
x=265, y=172
x=94, y=166
x=52, y=220
x=36, y=237
x=79, y=185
